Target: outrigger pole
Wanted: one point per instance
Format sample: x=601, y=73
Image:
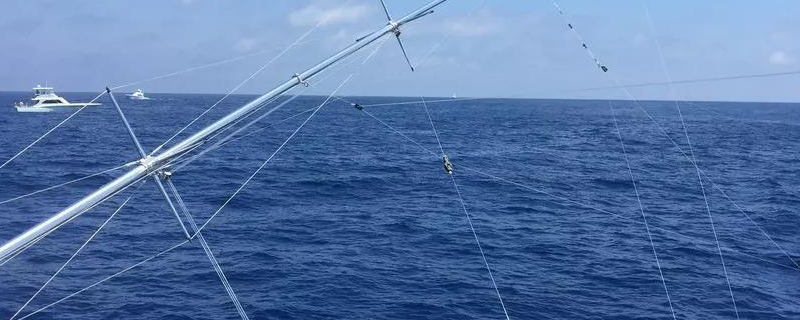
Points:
x=153, y=164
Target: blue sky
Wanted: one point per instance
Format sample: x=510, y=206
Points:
x=509, y=48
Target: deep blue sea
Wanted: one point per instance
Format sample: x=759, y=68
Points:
x=352, y=221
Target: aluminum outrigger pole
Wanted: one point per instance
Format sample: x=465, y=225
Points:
x=153, y=163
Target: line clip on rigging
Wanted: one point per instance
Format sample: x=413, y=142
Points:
x=448, y=167
x=300, y=80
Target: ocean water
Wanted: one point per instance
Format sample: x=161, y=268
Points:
x=352, y=221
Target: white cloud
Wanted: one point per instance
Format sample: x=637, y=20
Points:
x=481, y=25
x=246, y=44
x=781, y=58
x=327, y=15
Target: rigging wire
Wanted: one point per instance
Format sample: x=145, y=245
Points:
x=245, y=81
x=50, y=131
x=201, y=67
x=696, y=80
x=290, y=137
x=36, y=240
x=345, y=63
x=266, y=161
x=449, y=35
x=691, y=151
x=225, y=140
x=641, y=210
x=466, y=213
x=113, y=214
x=68, y=182
x=209, y=253
x=178, y=245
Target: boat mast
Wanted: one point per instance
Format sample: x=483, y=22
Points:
x=154, y=163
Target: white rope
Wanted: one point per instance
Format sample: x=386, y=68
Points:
x=691, y=151
x=67, y=183
x=641, y=210
x=50, y=131
x=77, y=251
x=209, y=253
x=469, y=218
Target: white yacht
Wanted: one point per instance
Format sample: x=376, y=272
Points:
x=137, y=95
x=45, y=100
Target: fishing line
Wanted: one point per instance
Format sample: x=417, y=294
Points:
x=289, y=138
x=210, y=254
x=647, y=228
x=449, y=34
x=69, y=182
x=205, y=66
x=36, y=240
x=79, y=250
x=106, y=279
x=246, y=80
x=676, y=235
x=225, y=140
x=690, y=81
x=641, y=210
x=691, y=150
x=705, y=175
x=416, y=102
x=466, y=213
x=51, y=130
x=265, y=162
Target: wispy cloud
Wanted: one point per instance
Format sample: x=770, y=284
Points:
x=327, y=14
x=781, y=58
x=246, y=44
x=481, y=24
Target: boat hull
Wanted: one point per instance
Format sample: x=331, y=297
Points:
x=54, y=107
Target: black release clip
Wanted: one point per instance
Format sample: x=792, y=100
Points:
x=448, y=167
x=357, y=106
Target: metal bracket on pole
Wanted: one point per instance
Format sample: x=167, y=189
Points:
x=143, y=160
x=300, y=80
x=395, y=28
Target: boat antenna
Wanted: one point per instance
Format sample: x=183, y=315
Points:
x=155, y=164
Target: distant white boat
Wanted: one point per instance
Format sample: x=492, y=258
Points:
x=137, y=95
x=45, y=100
x=454, y=96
